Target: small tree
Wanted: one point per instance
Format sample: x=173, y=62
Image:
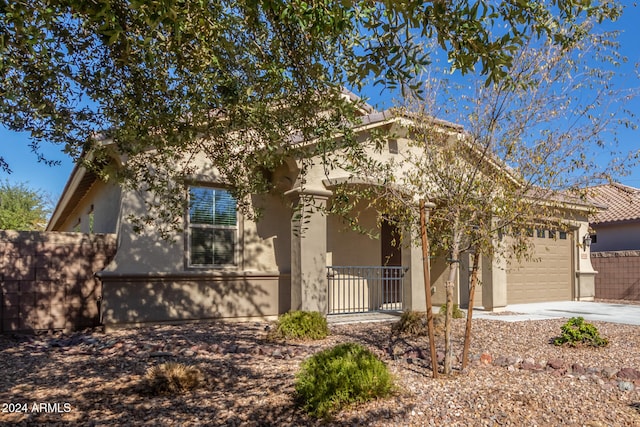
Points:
x=518, y=162
x=23, y=208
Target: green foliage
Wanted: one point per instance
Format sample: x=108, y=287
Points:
x=22, y=208
x=341, y=376
x=171, y=378
x=456, y=312
x=304, y=325
x=414, y=323
x=577, y=332
x=229, y=80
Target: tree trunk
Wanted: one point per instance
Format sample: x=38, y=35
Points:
x=472, y=292
x=427, y=289
x=448, y=350
x=453, y=269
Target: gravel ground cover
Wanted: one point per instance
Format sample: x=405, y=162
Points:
x=517, y=378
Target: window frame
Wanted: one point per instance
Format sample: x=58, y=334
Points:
x=190, y=226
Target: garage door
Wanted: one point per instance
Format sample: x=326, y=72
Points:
x=549, y=278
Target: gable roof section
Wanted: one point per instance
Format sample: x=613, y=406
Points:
x=622, y=201
x=76, y=188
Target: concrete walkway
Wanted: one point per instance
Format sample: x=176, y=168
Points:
x=606, y=312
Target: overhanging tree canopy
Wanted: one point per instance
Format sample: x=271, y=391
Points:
x=167, y=79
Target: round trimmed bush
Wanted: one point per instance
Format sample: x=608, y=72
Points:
x=340, y=376
x=303, y=325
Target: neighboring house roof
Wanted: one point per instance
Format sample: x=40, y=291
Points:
x=622, y=202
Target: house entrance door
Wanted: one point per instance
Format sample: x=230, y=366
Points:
x=391, y=256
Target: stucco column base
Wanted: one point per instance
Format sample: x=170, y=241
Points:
x=494, y=284
x=586, y=285
x=414, y=297
x=309, y=250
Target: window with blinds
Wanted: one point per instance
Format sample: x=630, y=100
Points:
x=213, y=227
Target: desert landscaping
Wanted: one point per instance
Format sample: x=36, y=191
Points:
x=517, y=377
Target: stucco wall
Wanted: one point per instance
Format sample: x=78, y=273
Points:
x=97, y=212
x=263, y=245
x=47, y=279
x=151, y=298
x=616, y=237
x=346, y=247
x=618, y=275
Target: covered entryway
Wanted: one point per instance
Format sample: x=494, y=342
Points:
x=391, y=256
x=362, y=289
x=366, y=274
x=546, y=278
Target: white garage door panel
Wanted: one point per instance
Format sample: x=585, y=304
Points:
x=548, y=279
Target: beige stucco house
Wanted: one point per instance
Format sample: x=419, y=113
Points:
x=224, y=265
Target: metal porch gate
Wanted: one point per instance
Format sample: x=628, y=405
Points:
x=361, y=289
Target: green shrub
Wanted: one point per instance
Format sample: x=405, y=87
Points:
x=171, y=378
x=578, y=332
x=340, y=376
x=456, y=312
x=304, y=325
x=414, y=323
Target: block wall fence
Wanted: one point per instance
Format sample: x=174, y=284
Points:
x=618, y=275
x=47, y=279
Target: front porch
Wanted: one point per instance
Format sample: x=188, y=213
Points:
x=335, y=270
x=365, y=289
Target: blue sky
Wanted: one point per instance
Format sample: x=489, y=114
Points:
x=14, y=147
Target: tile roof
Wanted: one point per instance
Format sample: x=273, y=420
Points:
x=622, y=201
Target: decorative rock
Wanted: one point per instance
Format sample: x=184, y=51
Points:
x=629, y=374
x=626, y=386
x=501, y=361
x=514, y=360
x=578, y=369
x=486, y=359
x=556, y=363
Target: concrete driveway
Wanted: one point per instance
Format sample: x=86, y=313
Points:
x=606, y=312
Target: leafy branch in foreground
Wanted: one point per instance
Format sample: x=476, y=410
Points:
x=172, y=88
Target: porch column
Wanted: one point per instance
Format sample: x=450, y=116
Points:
x=414, y=297
x=494, y=284
x=309, y=250
x=413, y=290
x=585, y=288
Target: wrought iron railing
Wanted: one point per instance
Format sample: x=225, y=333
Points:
x=360, y=289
